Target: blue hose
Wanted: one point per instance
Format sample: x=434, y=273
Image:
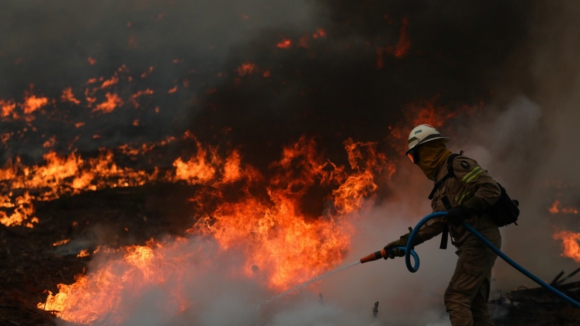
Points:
x=409, y=251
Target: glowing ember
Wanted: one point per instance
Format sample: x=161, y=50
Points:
x=557, y=208
x=284, y=44
x=110, y=104
x=33, y=103
x=68, y=96
x=110, y=82
x=83, y=253
x=61, y=242
x=6, y=108
x=319, y=33
x=247, y=69
x=404, y=42
x=570, y=244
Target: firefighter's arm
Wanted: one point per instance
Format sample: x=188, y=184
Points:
x=430, y=229
x=480, y=192
x=433, y=226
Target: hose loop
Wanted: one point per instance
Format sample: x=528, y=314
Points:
x=410, y=252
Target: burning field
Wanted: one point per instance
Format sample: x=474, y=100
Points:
x=171, y=163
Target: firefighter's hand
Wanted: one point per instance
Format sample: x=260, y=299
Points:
x=392, y=250
x=456, y=215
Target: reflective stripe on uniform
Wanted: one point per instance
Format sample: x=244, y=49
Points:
x=460, y=198
x=471, y=175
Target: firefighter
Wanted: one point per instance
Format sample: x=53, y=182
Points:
x=465, y=195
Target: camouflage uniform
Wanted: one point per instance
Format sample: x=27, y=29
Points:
x=468, y=291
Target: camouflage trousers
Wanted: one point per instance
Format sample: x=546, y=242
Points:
x=468, y=291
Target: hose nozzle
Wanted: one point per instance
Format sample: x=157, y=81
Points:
x=374, y=256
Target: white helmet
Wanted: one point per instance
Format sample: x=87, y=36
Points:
x=421, y=135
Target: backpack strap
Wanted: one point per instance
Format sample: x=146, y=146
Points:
x=445, y=235
x=449, y=174
x=446, y=203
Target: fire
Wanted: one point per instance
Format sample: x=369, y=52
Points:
x=172, y=90
x=110, y=104
x=247, y=69
x=110, y=82
x=557, y=209
x=570, y=244
x=272, y=233
x=284, y=44
x=83, y=253
x=6, y=108
x=404, y=42
x=61, y=242
x=68, y=96
x=33, y=103
x=60, y=176
x=319, y=33
x=430, y=113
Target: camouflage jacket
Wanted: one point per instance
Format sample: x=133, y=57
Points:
x=470, y=180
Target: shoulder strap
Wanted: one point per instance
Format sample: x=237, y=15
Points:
x=449, y=174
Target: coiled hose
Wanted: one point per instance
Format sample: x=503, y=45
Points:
x=409, y=251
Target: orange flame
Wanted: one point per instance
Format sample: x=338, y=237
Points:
x=404, y=42
x=110, y=104
x=247, y=69
x=271, y=232
x=284, y=44
x=61, y=242
x=557, y=209
x=6, y=108
x=319, y=33
x=570, y=244
x=60, y=176
x=68, y=96
x=33, y=103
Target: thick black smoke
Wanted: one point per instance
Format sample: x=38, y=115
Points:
x=352, y=83
x=48, y=44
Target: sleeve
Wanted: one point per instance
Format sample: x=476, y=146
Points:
x=480, y=189
x=430, y=229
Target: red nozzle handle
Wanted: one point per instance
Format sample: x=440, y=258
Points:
x=374, y=256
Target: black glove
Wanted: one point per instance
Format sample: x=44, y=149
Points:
x=391, y=248
x=456, y=215
x=393, y=251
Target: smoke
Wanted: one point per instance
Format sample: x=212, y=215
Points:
x=377, y=58
x=148, y=45
x=193, y=281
